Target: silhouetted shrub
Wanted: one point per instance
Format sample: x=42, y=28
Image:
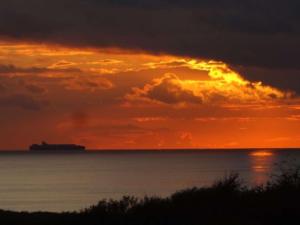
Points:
x=230, y=183
x=286, y=177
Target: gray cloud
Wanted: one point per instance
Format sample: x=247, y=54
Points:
x=35, y=89
x=2, y=87
x=22, y=101
x=261, y=33
x=248, y=33
x=286, y=79
x=12, y=69
x=166, y=90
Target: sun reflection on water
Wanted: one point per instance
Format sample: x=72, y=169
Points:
x=261, y=165
x=262, y=154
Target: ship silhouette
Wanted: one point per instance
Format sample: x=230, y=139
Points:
x=44, y=146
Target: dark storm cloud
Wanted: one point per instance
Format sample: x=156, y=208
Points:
x=264, y=33
x=256, y=33
x=286, y=79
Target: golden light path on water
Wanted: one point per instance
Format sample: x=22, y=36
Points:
x=262, y=163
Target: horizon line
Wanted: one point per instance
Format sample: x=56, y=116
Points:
x=171, y=149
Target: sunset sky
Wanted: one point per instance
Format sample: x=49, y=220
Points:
x=150, y=74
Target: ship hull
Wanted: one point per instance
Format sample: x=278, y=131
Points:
x=56, y=148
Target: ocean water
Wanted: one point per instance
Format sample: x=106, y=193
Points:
x=72, y=181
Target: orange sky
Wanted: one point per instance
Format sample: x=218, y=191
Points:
x=109, y=98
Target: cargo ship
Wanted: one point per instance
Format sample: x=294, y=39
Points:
x=56, y=147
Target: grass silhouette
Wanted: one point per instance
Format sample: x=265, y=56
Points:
x=226, y=202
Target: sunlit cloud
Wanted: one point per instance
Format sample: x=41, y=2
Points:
x=149, y=119
x=62, y=64
x=224, y=86
x=127, y=99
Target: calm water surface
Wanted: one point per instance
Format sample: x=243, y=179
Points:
x=60, y=182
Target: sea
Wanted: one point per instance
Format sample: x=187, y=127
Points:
x=58, y=182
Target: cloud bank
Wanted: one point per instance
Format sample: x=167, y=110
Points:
x=249, y=33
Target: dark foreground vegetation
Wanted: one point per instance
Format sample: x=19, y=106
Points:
x=226, y=202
